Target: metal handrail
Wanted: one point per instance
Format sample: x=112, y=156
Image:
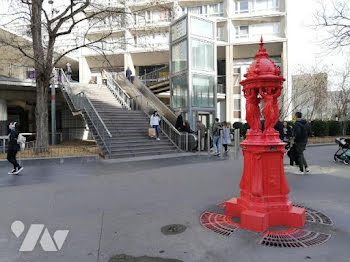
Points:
x=154, y=78
x=122, y=97
x=160, y=106
x=81, y=102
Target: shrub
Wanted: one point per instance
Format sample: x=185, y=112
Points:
x=242, y=128
x=319, y=128
x=335, y=128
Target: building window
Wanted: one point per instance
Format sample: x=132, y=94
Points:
x=179, y=57
x=242, y=7
x=179, y=90
x=202, y=55
x=220, y=33
x=242, y=31
x=148, y=16
x=237, y=104
x=197, y=10
x=179, y=29
x=202, y=28
x=216, y=9
x=203, y=91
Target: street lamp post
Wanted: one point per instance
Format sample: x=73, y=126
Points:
x=53, y=93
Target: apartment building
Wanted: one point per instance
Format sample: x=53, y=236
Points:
x=141, y=41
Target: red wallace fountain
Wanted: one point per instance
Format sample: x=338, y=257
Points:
x=263, y=200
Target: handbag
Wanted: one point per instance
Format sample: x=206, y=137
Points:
x=152, y=132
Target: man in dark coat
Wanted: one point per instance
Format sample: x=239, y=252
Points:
x=128, y=73
x=179, y=122
x=301, y=131
x=13, y=148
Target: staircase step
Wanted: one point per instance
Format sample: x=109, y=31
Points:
x=136, y=154
x=142, y=149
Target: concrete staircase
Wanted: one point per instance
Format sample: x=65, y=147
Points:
x=129, y=128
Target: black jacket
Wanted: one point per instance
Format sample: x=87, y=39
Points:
x=301, y=131
x=179, y=123
x=13, y=140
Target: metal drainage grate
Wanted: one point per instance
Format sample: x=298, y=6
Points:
x=223, y=204
x=218, y=223
x=315, y=216
x=293, y=237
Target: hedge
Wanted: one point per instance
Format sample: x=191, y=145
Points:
x=319, y=128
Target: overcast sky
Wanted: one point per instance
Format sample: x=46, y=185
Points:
x=304, y=42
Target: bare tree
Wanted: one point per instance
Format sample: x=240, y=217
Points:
x=335, y=18
x=309, y=94
x=340, y=96
x=48, y=25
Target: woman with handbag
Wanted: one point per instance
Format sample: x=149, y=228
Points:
x=13, y=148
x=154, y=122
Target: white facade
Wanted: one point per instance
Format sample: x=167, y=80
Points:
x=143, y=42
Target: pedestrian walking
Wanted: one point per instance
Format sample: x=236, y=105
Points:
x=217, y=128
x=301, y=132
x=69, y=71
x=287, y=134
x=128, y=74
x=179, y=122
x=154, y=122
x=201, y=130
x=187, y=127
x=13, y=148
x=226, y=136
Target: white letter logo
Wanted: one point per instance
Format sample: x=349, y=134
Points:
x=47, y=242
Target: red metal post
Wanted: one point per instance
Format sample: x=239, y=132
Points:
x=263, y=200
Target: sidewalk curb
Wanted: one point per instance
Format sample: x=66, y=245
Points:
x=53, y=160
x=154, y=157
x=323, y=144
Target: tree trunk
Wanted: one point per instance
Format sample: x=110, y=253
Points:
x=42, y=77
x=41, y=114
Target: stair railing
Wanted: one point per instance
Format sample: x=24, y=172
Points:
x=122, y=97
x=81, y=102
x=156, y=76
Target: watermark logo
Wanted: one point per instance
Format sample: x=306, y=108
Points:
x=36, y=232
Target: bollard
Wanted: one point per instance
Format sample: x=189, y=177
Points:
x=186, y=142
x=221, y=143
x=199, y=141
x=208, y=141
x=237, y=140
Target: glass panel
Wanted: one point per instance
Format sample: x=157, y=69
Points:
x=242, y=31
x=179, y=91
x=178, y=30
x=237, y=104
x=261, y=5
x=202, y=28
x=195, y=10
x=203, y=91
x=179, y=57
x=202, y=55
x=243, y=6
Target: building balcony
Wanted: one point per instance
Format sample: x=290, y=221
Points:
x=148, y=47
x=105, y=29
x=149, y=25
x=135, y=4
x=258, y=15
x=255, y=38
x=96, y=4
